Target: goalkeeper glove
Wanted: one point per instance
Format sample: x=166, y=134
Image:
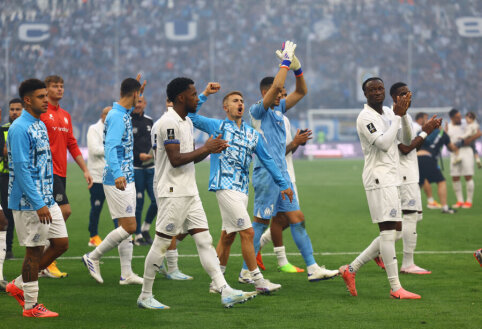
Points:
x=287, y=54
x=295, y=65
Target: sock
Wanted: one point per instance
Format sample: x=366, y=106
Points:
x=259, y=229
x=113, y=239
x=458, y=191
x=281, y=255
x=445, y=207
x=223, y=268
x=209, y=259
x=171, y=257
x=430, y=200
x=387, y=250
x=125, y=249
x=265, y=239
x=145, y=227
x=138, y=236
x=303, y=242
x=153, y=262
x=3, y=250
x=18, y=281
x=256, y=276
x=409, y=232
x=367, y=255
x=470, y=185
x=30, y=293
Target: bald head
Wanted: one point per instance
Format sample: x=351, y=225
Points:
x=104, y=112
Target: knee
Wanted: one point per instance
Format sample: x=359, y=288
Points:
x=66, y=213
x=60, y=245
x=228, y=239
x=129, y=227
x=247, y=234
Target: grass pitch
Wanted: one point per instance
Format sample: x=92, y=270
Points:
x=338, y=222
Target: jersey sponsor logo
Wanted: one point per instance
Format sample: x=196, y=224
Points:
x=371, y=128
x=170, y=134
x=169, y=227
x=393, y=213
x=63, y=129
x=240, y=222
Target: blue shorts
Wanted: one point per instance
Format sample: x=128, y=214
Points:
x=267, y=195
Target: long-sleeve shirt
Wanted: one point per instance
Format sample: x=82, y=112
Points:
x=118, y=145
x=141, y=130
x=95, y=145
x=61, y=136
x=230, y=168
x=30, y=160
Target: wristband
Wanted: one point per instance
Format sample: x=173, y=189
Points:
x=298, y=72
x=423, y=134
x=286, y=64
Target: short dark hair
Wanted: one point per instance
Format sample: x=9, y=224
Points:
x=420, y=115
x=395, y=86
x=129, y=86
x=471, y=115
x=368, y=80
x=53, y=79
x=234, y=92
x=266, y=83
x=14, y=101
x=28, y=86
x=177, y=86
x=452, y=113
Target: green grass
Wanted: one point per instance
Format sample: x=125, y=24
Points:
x=334, y=203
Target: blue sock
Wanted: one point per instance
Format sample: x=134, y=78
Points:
x=303, y=242
x=259, y=229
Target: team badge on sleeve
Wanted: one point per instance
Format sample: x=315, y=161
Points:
x=170, y=134
x=371, y=128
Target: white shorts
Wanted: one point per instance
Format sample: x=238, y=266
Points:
x=122, y=204
x=464, y=167
x=32, y=233
x=179, y=215
x=233, y=206
x=410, y=196
x=384, y=204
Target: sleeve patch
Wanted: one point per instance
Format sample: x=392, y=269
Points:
x=170, y=134
x=171, y=141
x=371, y=128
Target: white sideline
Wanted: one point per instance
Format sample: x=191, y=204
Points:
x=427, y=252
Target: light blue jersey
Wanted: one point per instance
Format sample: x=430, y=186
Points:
x=118, y=145
x=270, y=124
x=230, y=168
x=30, y=161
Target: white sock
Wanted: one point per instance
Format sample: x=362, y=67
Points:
x=125, y=249
x=171, y=257
x=265, y=238
x=256, y=276
x=19, y=281
x=3, y=250
x=458, y=191
x=113, y=239
x=30, y=293
x=280, y=255
x=153, y=261
x=145, y=227
x=387, y=250
x=367, y=255
x=470, y=185
x=430, y=200
x=209, y=259
x=223, y=268
x=138, y=236
x=409, y=232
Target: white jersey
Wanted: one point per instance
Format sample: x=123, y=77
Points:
x=457, y=132
x=289, y=156
x=471, y=129
x=381, y=168
x=409, y=163
x=180, y=181
x=95, y=145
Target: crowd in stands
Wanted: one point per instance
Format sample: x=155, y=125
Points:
x=93, y=45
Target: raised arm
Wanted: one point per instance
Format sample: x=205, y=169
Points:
x=203, y=123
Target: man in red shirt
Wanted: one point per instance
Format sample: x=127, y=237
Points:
x=61, y=138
